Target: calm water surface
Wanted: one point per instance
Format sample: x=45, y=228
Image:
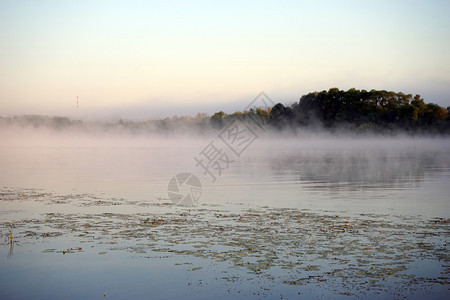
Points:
x=51, y=189
x=402, y=176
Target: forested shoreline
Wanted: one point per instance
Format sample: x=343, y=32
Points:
x=358, y=111
x=361, y=110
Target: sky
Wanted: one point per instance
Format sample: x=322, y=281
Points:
x=149, y=59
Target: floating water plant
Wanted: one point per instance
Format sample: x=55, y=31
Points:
x=368, y=253
x=11, y=243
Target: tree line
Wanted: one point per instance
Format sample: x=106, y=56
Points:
x=377, y=111
x=360, y=111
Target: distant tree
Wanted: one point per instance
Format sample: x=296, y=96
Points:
x=216, y=120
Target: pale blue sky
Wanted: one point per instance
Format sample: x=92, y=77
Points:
x=164, y=57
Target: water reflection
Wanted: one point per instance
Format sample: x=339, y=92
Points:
x=360, y=169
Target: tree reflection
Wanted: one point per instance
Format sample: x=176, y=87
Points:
x=362, y=169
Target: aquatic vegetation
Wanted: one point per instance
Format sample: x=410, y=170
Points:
x=11, y=243
x=359, y=255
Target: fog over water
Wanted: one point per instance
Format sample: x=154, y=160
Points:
x=310, y=170
x=367, y=215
